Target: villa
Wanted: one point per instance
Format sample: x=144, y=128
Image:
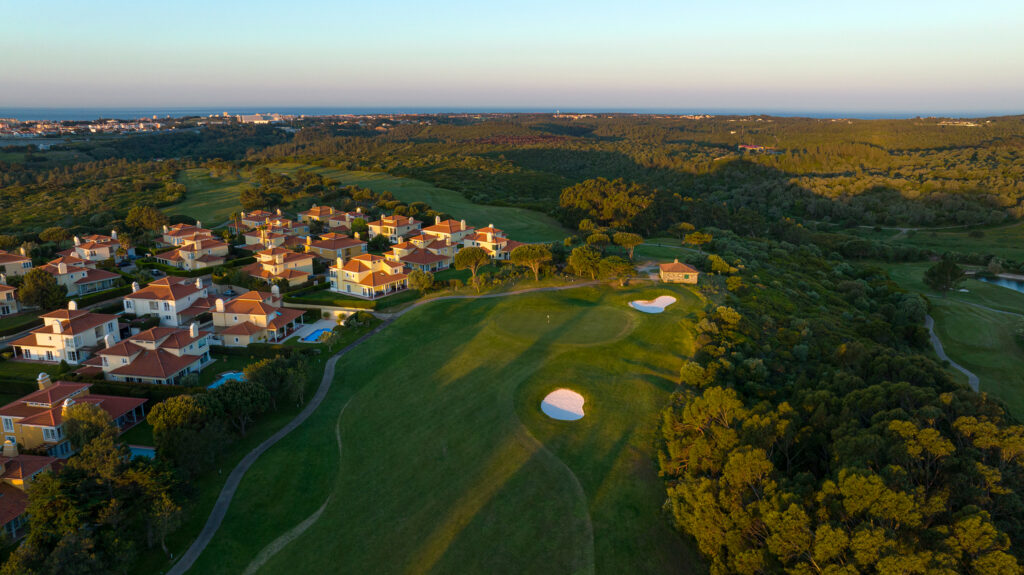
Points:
x=8, y=301
x=95, y=248
x=450, y=230
x=368, y=276
x=281, y=264
x=176, y=301
x=332, y=246
x=254, y=317
x=393, y=227
x=14, y=264
x=160, y=355
x=257, y=240
x=17, y=472
x=195, y=254
x=423, y=253
x=493, y=241
x=69, y=334
x=344, y=219
x=317, y=214
x=180, y=234
x=80, y=276
x=256, y=219
x=676, y=272
x=36, y=421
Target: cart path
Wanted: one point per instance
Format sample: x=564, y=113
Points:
x=929, y=323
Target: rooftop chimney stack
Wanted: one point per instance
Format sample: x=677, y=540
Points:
x=66, y=406
x=199, y=283
x=219, y=305
x=274, y=289
x=73, y=305
x=108, y=340
x=463, y=224
x=62, y=268
x=199, y=224
x=193, y=330
x=113, y=234
x=279, y=211
x=44, y=380
x=22, y=250
x=10, y=449
x=339, y=263
x=309, y=240
x=166, y=229
x=437, y=220
x=3, y=279
x=78, y=241
x=356, y=235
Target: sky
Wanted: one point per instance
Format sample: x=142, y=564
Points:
x=867, y=56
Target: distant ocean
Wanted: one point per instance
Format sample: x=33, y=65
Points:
x=81, y=114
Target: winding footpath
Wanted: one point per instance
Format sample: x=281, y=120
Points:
x=227, y=493
x=929, y=323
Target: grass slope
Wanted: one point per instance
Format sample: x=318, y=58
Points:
x=520, y=224
x=978, y=339
x=208, y=199
x=448, y=465
x=1005, y=241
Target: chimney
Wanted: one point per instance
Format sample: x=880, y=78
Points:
x=314, y=206
x=309, y=240
x=78, y=241
x=62, y=268
x=437, y=220
x=274, y=289
x=113, y=234
x=73, y=305
x=356, y=235
x=359, y=210
x=241, y=216
x=199, y=283
x=463, y=223
x=66, y=406
x=3, y=280
x=108, y=340
x=338, y=263
x=199, y=224
x=10, y=449
x=279, y=211
x=193, y=330
x=44, y=380
x=135, y=287
x=22, y=250
x=490, y=225
x=401, y=239
x=58, y=327
x=166, y=229
x=677, y=260
x=219, y=305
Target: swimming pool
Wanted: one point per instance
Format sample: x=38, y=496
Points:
x=142, y=451
x=226, y=376
x=315, y=336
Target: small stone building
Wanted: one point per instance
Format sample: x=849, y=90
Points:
x=677, y=273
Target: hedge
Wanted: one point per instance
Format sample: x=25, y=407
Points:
x=99, y=296
x=17, y=328
x=340, y=301
x=259, y=350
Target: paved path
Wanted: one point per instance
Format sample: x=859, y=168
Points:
x=929, y=323
x=227, y=493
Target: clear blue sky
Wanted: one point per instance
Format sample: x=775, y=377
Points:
x=864, y=56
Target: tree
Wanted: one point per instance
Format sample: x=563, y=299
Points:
x=531, y=256
x=598, y=240
x=683, y=228
x=359, y=226
x=378, y=243
x=585, y=260
x=253, y=199
x=283, y=377
x=944, y=276
x=629, y=241
x=40, y=289
x=697, y=239
x=720, y=266
x=420, y=280
x=188, y=430
x=243, y=400
x=143, y=218
x=616, y=267
x=55, y=234
x=472, y=258
x=8, y=242
x=84, y=422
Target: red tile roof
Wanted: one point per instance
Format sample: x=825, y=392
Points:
x=677, y=268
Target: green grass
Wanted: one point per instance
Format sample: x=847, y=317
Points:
x=1004, y=241
x=447, y=464
x=519, y=223
x=141, y=434
x=28, y=370
x=983, y=342
x=978, y=339
x=19, y=320
x=208, y=199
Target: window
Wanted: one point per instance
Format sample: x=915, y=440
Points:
x=105, y=362
x=11, y=438
x=26, y=264
x=236, y=340
x=128, y=304
x=8, y=424
x=167, y=306
x=124, y=360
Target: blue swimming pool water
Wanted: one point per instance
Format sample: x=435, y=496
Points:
x=142, y=451
x=315, y=336
x=229, y=376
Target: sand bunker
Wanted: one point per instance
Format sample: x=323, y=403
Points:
x=657, y=305
x=564, y=404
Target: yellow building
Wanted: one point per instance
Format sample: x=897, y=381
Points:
x=678, y=273
x=280, y=263
x=254, y=317
x=368, y=276
x=179, y=234
x=17, y=472
x=317, y=214
x=493, y=241
x=195, y=253
x=8, y=301
x=36, y=421
x=450, y=230
x=393, y=227
x=14, y=264
x=423, y=253
x=332, y=246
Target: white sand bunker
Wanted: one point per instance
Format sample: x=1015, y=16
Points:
x=656, y=305
x=564, y=404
